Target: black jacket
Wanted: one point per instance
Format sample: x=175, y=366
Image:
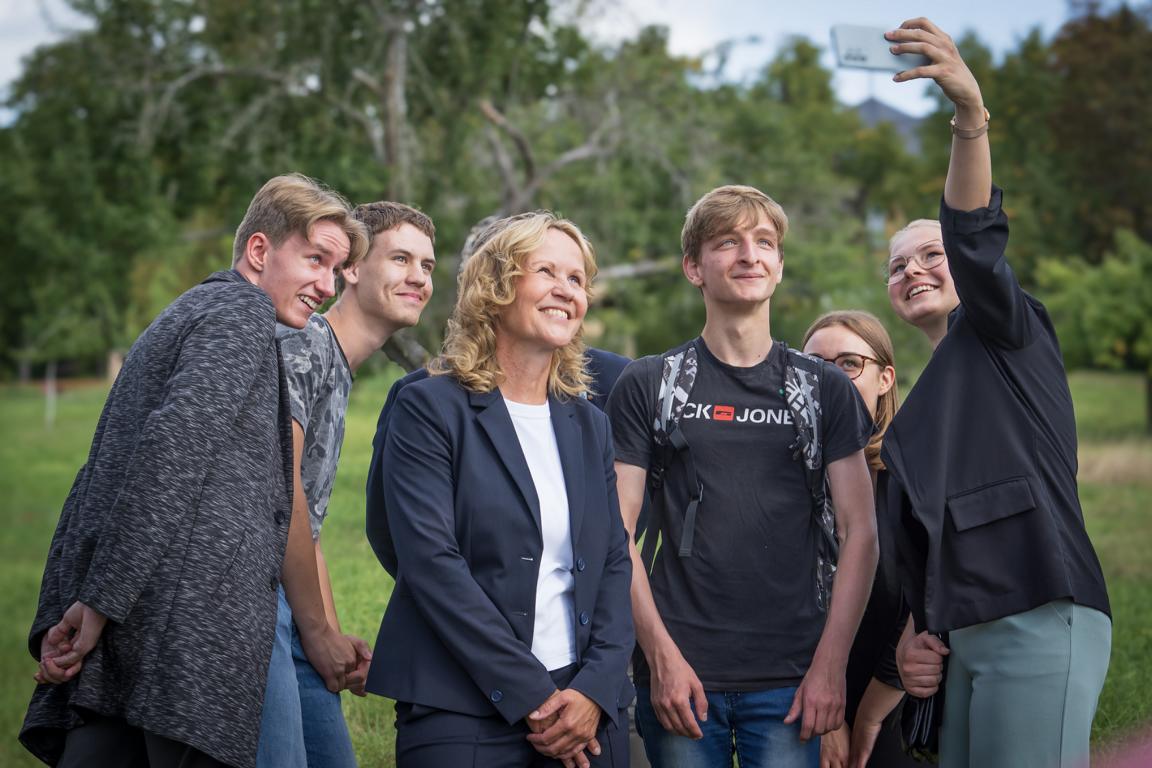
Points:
x=982, y=453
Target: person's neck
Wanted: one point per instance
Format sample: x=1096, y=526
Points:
x=525, y=374
x=936, y=329
x=358, y=335
x=739, y=340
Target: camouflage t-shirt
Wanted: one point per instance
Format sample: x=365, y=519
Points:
x=318, y=384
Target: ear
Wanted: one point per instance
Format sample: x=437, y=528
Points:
x=887, y=379
x=351, y=274
x=692, y=271
x=256, y=252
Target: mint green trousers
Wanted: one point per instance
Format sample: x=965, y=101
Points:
x=1022, y=690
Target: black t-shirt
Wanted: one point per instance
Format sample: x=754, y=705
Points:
x=742, y=608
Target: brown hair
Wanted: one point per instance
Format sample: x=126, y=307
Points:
x=292, y=204
x=872, y=332
x=486, y=285
x=384, y=215
x=724, y=209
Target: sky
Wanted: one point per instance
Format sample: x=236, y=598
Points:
x=695, y=27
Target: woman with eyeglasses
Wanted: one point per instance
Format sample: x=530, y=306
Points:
x=857, y=343
x=982, y=466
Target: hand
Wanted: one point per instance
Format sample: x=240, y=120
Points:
x=946, y=66
x=675, y=688
x=864, y=737
x=920, y=659
x=331, y=654
x=572, y=731
x=359, y=676
x=819, y=699
x=581, y=760
x=834, y=749
x=64, y=646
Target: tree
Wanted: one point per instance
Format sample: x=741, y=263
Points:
x=1104, y=311
x=1100, y=124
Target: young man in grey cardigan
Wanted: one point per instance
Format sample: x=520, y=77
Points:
x=303, y=724
x=158, y=604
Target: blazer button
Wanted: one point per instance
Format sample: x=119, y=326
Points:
x=583, y=617
x=497, y=696
x=580, y=564
x=279, y=518
x=273, y=583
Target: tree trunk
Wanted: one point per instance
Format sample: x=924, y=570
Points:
x=50, y=395
x=1148, y=401
x=396, y=111
x=405, y=351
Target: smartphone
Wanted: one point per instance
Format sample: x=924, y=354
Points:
x=867, y=48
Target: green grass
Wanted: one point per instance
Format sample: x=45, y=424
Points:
x=37, y=466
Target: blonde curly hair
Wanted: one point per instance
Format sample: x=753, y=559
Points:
x=486, y=285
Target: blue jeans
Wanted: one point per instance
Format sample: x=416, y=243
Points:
x=302, y=725
x=748, y=724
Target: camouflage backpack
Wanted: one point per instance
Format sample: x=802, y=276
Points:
x=802, y=392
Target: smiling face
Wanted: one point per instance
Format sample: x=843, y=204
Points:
x=551, y=298
x=393, y=282
x=742, y=266
x=832, y=341
x=920, y=297
x=300, y=274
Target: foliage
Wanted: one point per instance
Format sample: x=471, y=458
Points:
x=135, y=146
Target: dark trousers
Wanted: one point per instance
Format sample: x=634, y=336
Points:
x=109, y=742
x=434, y=738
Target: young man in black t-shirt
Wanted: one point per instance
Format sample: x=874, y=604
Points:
x=735, y=652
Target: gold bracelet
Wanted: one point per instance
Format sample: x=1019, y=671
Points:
x=971, y=133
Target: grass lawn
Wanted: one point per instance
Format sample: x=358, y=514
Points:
x=37, y=466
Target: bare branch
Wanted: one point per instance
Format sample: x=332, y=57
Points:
x=405, y=351
x=155, y=114
x=518, y=138
x=638, y=269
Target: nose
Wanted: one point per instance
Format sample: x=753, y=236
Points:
x=326, y=284
x=914, y=267
x=562, y=287
x=416, y=275
x=747, y=251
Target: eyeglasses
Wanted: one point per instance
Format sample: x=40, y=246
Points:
x=894, y=269
x=851, y=363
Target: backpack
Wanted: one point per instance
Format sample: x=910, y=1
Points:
x=802, y=392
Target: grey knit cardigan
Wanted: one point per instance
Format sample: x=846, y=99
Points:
x=175, y=528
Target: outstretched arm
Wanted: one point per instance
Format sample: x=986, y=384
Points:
x=969, y=180
x=973, y=224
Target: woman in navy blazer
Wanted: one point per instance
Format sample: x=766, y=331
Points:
x=982, y=457
x=506, y=640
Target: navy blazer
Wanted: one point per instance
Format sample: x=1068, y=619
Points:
x=464, y=518
x=983, y=451
x=604, y=367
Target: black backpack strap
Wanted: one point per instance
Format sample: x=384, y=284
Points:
x=677, y=377
x=802, y=391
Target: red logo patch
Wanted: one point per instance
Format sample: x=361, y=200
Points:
x=723, y=412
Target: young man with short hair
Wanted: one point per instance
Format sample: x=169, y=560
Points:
x=741, y=649
x=157, y=609
x=383, y=292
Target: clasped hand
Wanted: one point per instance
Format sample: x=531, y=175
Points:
x=564, y=728
x=64, y=646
